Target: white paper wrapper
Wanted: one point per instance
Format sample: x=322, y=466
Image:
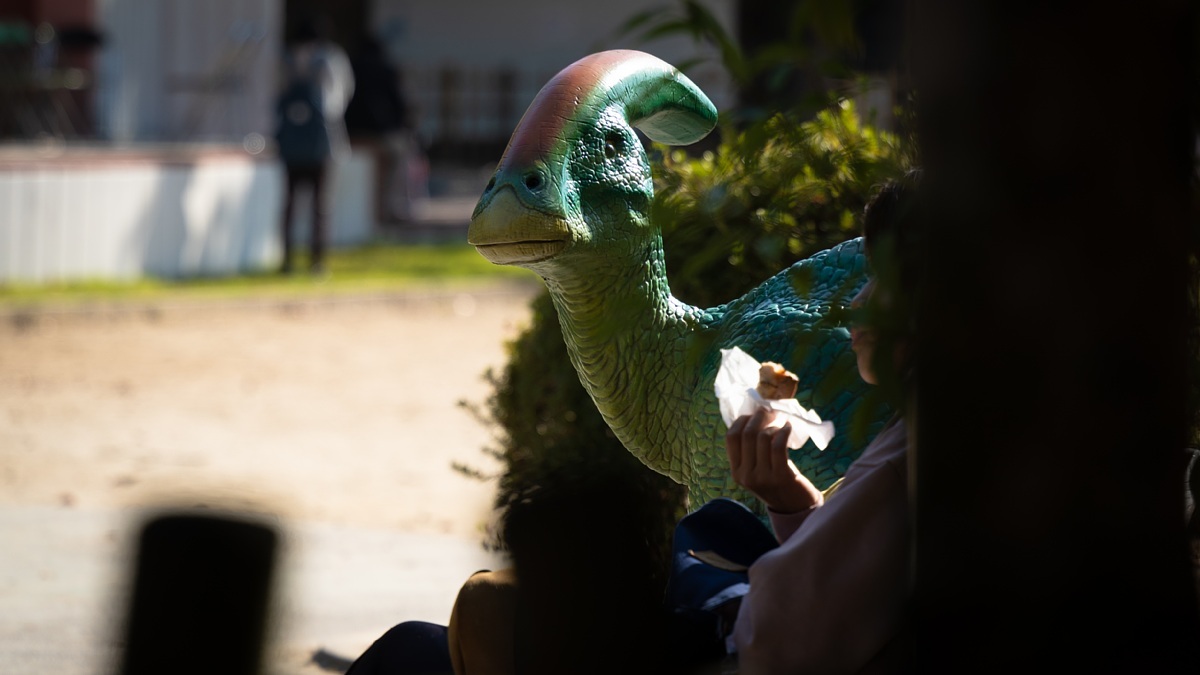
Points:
x=736, y=387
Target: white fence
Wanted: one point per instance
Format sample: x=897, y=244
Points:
x=166, y=212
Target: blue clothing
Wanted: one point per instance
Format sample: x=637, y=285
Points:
x=410, y=648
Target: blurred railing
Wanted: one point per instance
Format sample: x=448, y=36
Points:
x=467, y=114
x=42, y=94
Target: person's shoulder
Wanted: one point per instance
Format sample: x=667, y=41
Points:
x=889, y=446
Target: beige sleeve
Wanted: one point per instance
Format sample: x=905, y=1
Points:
x=832, y=595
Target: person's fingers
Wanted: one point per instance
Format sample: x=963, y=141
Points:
x=733, y=442
x=778, y=452
x=795, y=472
x=762, y=450
x=750, y=441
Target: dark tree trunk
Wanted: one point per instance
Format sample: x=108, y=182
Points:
x=1057, y=143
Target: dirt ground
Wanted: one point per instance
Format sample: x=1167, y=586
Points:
x=341, y=412
x=339, y=419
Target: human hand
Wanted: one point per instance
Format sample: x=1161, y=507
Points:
x=758, y=460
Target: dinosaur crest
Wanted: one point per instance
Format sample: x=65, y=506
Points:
x=655, y=97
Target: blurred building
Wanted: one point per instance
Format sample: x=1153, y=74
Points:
x=134, y=134
x=471, y=81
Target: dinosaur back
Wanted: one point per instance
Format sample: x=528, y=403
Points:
x=787, y=319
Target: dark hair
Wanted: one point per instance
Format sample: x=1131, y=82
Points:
x=891, y=214
x=893, y=229
x=584, y=549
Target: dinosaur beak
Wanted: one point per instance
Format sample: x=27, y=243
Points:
x=507, y=232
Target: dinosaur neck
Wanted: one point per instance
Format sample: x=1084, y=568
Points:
x=627, y=337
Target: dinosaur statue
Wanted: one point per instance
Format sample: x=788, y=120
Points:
x=570, y=200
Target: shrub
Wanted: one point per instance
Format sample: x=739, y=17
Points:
x=774, y=194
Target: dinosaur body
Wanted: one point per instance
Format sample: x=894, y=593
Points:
x=570, y=201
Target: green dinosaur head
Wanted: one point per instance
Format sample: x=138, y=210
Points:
x=574, y=175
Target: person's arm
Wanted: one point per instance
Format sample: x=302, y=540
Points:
x=832, y=596
x=758, y=460
x=344, y=74
x=785, y=524
x=336, y=76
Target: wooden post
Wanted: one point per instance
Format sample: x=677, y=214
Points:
x=201, y=596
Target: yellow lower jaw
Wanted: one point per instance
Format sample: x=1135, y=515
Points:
x=508, y=233
x=521, y=251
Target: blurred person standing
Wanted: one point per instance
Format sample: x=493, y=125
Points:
x=311, y=130
x=380, y=114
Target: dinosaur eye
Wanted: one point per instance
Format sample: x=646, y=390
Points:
x=613, y=143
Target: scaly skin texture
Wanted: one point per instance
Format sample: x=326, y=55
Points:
x=569, y=201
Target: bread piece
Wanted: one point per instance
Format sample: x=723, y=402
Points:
x=776, y=382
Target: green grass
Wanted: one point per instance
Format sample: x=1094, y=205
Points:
x=375, y=268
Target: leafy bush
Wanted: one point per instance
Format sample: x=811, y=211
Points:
x=774, y=194
x=767, y=197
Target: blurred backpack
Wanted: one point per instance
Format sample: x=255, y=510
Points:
x=300, y=131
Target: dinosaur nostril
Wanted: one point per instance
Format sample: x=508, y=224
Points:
x=533, y=180
x=491, y=184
